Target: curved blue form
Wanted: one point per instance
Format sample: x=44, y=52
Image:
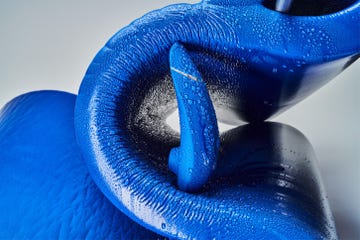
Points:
x=256, y=63
x=195, y=160
x=45, y=188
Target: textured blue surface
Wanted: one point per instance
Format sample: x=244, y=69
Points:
x=46, y=191
x=256, y=63
x=195, y=160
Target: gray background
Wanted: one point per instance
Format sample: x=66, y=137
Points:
x=49, y=44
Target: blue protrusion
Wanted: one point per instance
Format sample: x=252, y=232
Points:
x=195, y=160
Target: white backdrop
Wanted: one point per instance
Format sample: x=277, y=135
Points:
x=49, y=44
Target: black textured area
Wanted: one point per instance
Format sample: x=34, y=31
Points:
x=312, y=7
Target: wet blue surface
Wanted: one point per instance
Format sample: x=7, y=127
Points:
x=253, y=61
x=256, y=63
x=195, y=160
x=266, y=186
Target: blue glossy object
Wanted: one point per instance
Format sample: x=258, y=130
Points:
x=195, y=160
x=46, y=191
x=256, y=62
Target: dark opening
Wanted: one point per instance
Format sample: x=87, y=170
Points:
x=308, y=7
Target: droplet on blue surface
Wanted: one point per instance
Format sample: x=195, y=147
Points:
x=206, y=159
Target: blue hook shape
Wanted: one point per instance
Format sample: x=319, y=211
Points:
x=195, y=159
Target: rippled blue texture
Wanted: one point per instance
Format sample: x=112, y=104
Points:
x=256, y=63
x=46, y=191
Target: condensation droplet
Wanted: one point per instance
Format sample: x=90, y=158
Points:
x=206, y=159
x=163, y=226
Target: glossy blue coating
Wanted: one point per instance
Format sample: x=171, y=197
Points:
x=256, y=63
x=46, y=191
x=195, y=160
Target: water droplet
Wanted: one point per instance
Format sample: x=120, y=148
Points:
x=274, y=70
x=163, y=226
x=206, y=159
x=214, y=166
